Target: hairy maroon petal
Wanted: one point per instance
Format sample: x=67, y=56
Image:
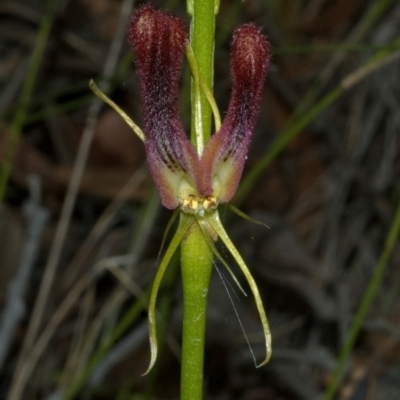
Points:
x=225, y=153
x=159, y=41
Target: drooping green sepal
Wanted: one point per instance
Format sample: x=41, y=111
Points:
x=208, y=233
x=185, y=223
x=215, y=222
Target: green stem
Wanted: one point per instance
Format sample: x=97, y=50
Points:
x=196, y=263
x=196, y=255
x=202, y=32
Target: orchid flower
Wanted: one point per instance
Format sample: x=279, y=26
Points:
x=194, y=181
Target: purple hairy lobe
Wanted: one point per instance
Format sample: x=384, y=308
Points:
x=225, y=154
x=159, y=40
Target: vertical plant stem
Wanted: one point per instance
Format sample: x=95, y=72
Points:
x=196, y=263
x=196, y=256
x=202, y=32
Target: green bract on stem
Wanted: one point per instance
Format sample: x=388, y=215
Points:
x=194, y=179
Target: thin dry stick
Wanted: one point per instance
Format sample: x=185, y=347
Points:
x=18, y=384
x=42, y=342
x=101, y=225
x=83, y=321
x=357, y=76
x=15, y=301
x=79, y=286
x=126, y=281
x=369, y=18
x=114, y=301
x=119, y=352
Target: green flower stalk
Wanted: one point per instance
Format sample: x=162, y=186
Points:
x=194, y=181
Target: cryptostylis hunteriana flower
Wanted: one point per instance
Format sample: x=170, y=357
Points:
x=194, y=181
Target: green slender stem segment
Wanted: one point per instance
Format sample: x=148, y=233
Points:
x=196, y=265
x=196, y=255
x=202, y=31
x=369, y=295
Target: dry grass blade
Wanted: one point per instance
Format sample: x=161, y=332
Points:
x=13, y=312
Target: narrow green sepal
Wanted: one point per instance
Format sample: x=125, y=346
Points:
x=216, y=224
x=94, y=88
x=245, y=216
x=205, y=228
x=185, y=223
x=167, y=229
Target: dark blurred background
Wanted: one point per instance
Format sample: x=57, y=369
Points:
x=81, y=224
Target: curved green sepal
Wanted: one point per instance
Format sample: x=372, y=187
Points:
x=94, y=88
x=167, y=229
x=245, y=216
x=205, y=228
x=185, y=223
x=216, y=224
